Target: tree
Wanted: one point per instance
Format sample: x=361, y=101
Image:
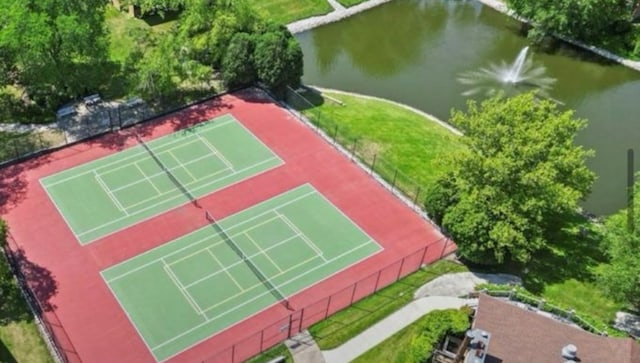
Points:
x=621, y=277
x=581, y=19
x=237, y=67
x=278, y=60
x=55, y=49
x=519, y=175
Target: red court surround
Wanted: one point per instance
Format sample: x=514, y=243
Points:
x=87, y=312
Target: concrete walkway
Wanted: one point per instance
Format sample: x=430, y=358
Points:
x=28, y=127
x=339, y=13
x=389, y=326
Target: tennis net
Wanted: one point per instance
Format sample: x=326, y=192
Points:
x=256, y=270
x=167, y=171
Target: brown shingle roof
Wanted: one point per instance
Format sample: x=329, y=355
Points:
x=521, y=336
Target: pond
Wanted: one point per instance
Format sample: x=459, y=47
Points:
x=414, y=52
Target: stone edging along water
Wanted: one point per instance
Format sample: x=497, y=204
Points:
x=500, y=6
x=402, y=105
x=338, y=14
x=341, y=13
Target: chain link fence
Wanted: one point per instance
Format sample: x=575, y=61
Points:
x=80, y=121
x=306, y=108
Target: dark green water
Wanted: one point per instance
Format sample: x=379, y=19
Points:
x=413, y=51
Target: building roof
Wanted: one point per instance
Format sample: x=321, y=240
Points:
x=521, y=336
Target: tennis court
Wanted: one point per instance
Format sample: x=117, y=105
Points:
x=187, y=290
x=112, y=193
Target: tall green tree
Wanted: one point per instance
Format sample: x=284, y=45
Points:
x=621, y=277
x=54, y=49
x=510, y=188
x=278, y=60
x=581, y=19
x=237, y=64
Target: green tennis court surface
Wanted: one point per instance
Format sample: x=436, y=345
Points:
x=109, y=194
x=192, y=288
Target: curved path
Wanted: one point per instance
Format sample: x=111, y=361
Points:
x=440, y=293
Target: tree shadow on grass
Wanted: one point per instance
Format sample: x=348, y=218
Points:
x=574, y=252
x=5, y=354
x=42, y=286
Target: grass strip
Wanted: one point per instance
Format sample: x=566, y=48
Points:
x=347, y=323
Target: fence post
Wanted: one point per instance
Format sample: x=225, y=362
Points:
x=353, y=293
x=400, y=269
x=301, y=319
x=424, y=255
x=261, y=339
x=326, y=312
x=15, y=148
x=353, y=149
x=290, y=323
x=335, y=133
x=233, y=353
x=395, y=175
x=415, y=200
x=375, y=289
x=444, y=248
x=373, y=164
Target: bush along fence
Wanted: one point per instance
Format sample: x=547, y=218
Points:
x=407, y=189
x=533, y=302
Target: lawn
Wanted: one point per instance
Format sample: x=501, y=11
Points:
x=394, y=136
x=347, y=323
x=126, y=33
x=20, y=341
x=286, y=11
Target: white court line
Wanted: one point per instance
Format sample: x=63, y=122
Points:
x=184, y=292
x=306, y=239
x=241, y=262
x=142, y=152
x=106, y=189
x=163, y=172
x=259, y=284
x=170, y=191
x=183, y=166
x=228, y=273
x=179, y=195
x=221, y=242
x=147, y=178
x=216, y=152
x=209, y=237
x=245, y=302
x=147, y=157
x=263, y=252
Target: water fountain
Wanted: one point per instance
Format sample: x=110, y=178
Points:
x=521, y=75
